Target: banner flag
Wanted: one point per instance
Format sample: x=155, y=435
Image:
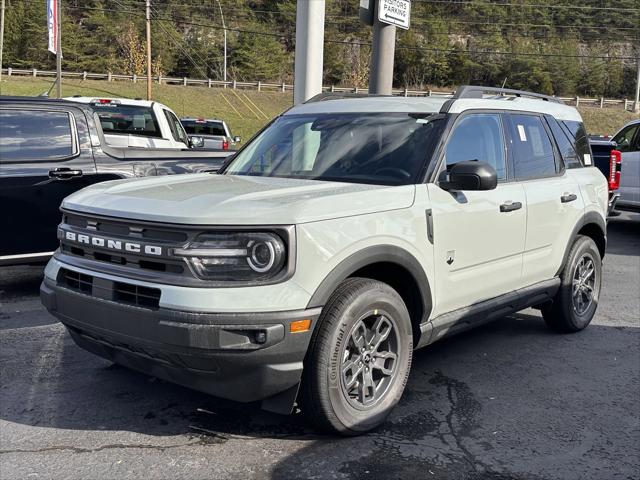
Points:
x=52, y=24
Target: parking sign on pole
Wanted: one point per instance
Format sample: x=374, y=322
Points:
x=395, y=12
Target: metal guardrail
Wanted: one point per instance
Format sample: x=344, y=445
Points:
x=281, y=87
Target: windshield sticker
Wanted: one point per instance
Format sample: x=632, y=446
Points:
x=521, y=132
x=587, y=159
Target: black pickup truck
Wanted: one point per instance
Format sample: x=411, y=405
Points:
x=51, y=148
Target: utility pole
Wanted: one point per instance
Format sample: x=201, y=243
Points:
x=224, y=28
x=1, y=34
x=636, y=105
x=384, y=16
x=148, y=15
x=59, y=48
x=309, y=49
x=382, y=56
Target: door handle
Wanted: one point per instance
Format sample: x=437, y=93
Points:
x=64, y=173
x=510, y=206
x=568, y=197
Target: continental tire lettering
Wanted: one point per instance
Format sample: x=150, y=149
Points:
x=335, y=356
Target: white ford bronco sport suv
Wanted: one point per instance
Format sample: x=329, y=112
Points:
x=347, y=233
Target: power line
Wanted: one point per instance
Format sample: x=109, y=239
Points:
x=174, y=40
x=447, y=51
x=290, y=35
x=488, y=52
x=527, y=5
x=440, y=2
x=473, y=52
x=180, y=45
x=544, y=25
x=443, y=2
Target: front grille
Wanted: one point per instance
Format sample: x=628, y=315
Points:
x=120, y=292
x=76, y=281
x=125, y=229
x=133, y=261
x=123, y=232
x=136, y=295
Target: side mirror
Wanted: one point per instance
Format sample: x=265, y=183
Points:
x=469, y=175
x=196, y=142
x=237, y=139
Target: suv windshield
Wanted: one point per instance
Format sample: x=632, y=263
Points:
x=379, y=148
x=127, y=119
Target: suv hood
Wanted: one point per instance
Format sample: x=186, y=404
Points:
x=206, y=199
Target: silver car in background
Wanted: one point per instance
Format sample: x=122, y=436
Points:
x=210, y=134
x=628, y=143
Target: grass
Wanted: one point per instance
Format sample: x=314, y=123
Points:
x=243, y=116
x=605, y=121
x=246, y=111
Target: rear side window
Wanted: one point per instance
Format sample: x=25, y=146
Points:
x=533, y=154
x=204, y=128
x=579, y=134
x=32, y=135
x=478, y=137
x=127, y=120
x=565, y=144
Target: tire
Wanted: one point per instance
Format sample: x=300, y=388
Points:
x=345, y=403
x=570, y=311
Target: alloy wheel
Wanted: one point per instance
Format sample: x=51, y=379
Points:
x=369, y=359
x=583, y=285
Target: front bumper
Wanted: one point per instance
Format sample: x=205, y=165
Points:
x=243, y=357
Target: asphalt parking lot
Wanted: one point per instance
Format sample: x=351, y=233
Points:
x=509, y=400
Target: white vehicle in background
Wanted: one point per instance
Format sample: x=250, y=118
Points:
x=137, y=123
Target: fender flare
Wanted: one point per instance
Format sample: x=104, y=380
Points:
x=589, y=218
x=369, y=256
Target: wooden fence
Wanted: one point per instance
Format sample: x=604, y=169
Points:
x=280, y=87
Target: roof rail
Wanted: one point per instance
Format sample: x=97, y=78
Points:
x=324, y=96
x=476, y=91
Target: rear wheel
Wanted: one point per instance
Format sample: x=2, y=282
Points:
x=574, y=306
x=359, y=358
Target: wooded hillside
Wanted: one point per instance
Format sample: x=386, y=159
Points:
x=550, y=46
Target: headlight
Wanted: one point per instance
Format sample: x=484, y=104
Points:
x=236, y=257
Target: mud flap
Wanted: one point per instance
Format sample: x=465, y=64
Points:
x=282, y=402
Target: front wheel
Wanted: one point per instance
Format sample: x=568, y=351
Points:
x=574, y=306
x=359, y=358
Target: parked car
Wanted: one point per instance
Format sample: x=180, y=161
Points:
x=51, y=148
x=627, y=142
x=209, y=133
x=618, y=158
x=343, y=236
x=137, y=123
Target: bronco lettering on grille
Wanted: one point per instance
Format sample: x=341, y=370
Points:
x=110, y=244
